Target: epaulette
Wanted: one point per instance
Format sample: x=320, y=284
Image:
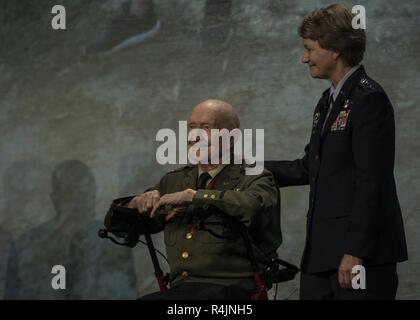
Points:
x=186, y=167
x=244, y=166
x=367, y=84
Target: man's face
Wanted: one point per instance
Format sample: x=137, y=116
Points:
x=205, y=119
x=321, y=62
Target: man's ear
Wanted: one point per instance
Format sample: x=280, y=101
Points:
x=336, y=55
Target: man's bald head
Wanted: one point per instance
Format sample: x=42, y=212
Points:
x=222, y=114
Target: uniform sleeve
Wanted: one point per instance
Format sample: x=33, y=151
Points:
x=258, y=197
x=373, y=145
x=290, y=173
x=160, y=186
x=159, y=221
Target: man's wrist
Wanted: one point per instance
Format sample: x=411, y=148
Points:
x=192, y=193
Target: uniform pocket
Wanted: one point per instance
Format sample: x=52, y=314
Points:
x=213, y=234
x=170, y=233
x=337, y=215
x=339, y=134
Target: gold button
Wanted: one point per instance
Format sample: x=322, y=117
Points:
x=205, y=195
x=213, y=196
x=184, y=274
x=189, y=236
x=185, y=255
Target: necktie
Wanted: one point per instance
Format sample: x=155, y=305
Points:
x=326, y=111
x=202, y=180
x=193, y=218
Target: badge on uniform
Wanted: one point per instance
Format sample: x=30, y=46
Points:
x=346, y=104
x=315, y=122
x=341, y=121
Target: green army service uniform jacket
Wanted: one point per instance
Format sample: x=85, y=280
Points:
x=202, y=255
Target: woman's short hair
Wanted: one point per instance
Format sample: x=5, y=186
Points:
x=332, y=28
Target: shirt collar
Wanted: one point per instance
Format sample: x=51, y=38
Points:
x=335, y=91
x=213, y=172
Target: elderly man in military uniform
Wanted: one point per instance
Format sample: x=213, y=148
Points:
x=212, y=262
x=354, y=218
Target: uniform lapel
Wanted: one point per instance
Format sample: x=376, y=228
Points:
x=320, y=109
x=228, y=178
x=190, y=180
x=343, y=95
x=335, y=110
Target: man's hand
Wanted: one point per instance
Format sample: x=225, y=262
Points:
x=177, y=200
x=145, y=202
x=344, y=271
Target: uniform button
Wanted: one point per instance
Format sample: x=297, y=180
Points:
x=205, y=195
x=213, y=196
x=313, y=179
x=185, y=255
x=189, y=236
x=184, y=274
x=316, y=157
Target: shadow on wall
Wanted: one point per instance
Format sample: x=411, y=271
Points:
x=26, y=193
x=138, y=172
x=95, y=269
x=5, y=240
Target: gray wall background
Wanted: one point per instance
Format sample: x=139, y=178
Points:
x=77, y=131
